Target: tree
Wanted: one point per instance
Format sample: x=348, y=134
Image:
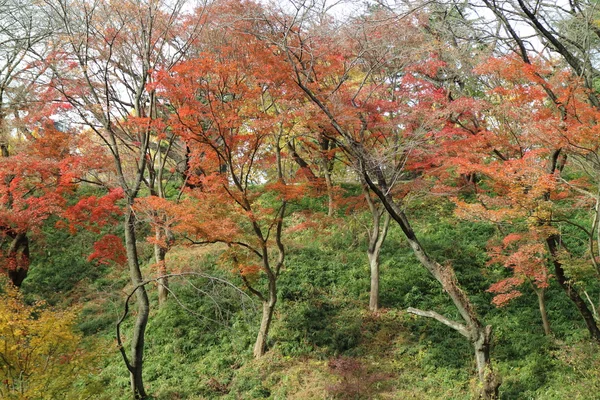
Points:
x=23, y=37
x=225, y=109
x=570, y=33
x=35, y=179
x=526, y=257
x=516, y=143
x=364, y=113
x=103, y=67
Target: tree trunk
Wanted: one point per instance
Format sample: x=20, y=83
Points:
x=327, y=166
x=18, y=258
x=329, y=186
x=540, y=293
x=376, y=239
x=489, y=381
x=159, y=255
x=143, y=308
x=304, y=167
x=163, y=287
x=559, y=272
x=260, y=346
x=374, y=293
x=377, y=235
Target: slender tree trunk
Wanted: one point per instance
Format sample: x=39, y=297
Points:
x=329, y=186
x=377, y=235
x=159, y=255
x=3, y=134
x=374, y=293
x=270, y=300
x=540, y=293
x=304, y=167
x=559, y=272
x=260, y=347
x=327, y=166
x=163, y=282
x=143, y=308
x=376, y=239
x=163, y=285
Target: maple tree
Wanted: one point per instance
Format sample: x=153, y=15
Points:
x=569, y=34
x=366, y=116
x=517, y=142
x=94, y=214
x=111, y=96
x=31, y=182
x=527, y=258
x=35, y=182
x=225, y=107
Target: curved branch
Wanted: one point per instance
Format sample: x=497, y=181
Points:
x=460, y=328
x=157, y=280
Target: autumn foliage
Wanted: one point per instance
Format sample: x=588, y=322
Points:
x=42, y=355
x=231, y=127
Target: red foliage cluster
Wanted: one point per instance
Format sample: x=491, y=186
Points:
x=109, y=249
x=93, y=213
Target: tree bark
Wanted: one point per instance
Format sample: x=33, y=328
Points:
x=18, y=255
x=565, y=283
x=374, y=293
x=260, y=347
x=329, y=186
x=540, y=293
x=159, y=255
x=143, y=308
x=490, y=382
x=163, y=285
